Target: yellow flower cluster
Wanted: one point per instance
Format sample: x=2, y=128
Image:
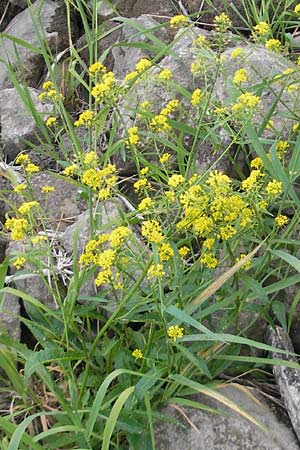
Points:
x=175, y=332
x=18, y=228
x=165, y=75
x=105, y=259
x=156, y=271
x=26, y=163
x=85, y=119
x=262, y=28
x=49, y=92
x=240, y=76
x=102, y=180
x=145, y=204
x=50, y=121
x=137, y=353
x=236, y=52
x=160, y=121
x=274, y=188
x=133, y=137
x=281, y=220
x=141, y=185
x=273, y=45
x=26, y=207
x=222, y=22
x=104, y=89
x=96, y=68
x=178, y=21
x=141, y=66
x=297, y=9
x=196, y=97
x=245, y=103
x=19, y=262
x=176, y=180
x=48, y=189
x=151, y=230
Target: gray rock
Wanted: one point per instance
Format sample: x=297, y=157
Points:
x=9, y=316
x=53, y=20
x=126, y=57
x=208, y=431
x=274, y=92
x=287, y=379
x=135, y=8
x=9, y=9
x=17, y=123
x=61, y=207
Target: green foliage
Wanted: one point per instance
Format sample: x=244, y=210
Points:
x=175, y=274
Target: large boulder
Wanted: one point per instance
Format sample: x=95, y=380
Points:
x=9, y=9
x=51, y=20
x=266, y=72
x=198, y=429
x=16, y=121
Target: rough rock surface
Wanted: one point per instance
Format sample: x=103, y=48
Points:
x=8, y=10
x=31, y=68
x=126, y=57
x=275, y=91
x=16, y=122
x=288, y=379
x=209, y=431
x=9, y=320
x=62, y=207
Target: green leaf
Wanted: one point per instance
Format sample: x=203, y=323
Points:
x=290, y=259
x=113, y=417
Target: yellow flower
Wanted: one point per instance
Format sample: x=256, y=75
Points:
x=297, y=8
x=281, y=148
x=20, y=188
x=250, y=182
x=142, y=65
x=175, y=332
x=165, y=74
x=155, y=271
x=48, y=189
x=85, y=119
x=165, y=252
x=177, y=21
x=103, y=89
x=223, y=22
x=26, y=207
x=141, y=185
x=273, y=45
x=90, y=158
x=240, y=76
x=118, y=236
x=256, y=163
x=245, y=102
x=96, y=68
x=170, y=196
x=144, y=171
x=200, y=41
x=38, y=239
x=183, y=251
x=70, y=170
x=103, y=277
x=274, y=188
x=196, y=97
x=151, y=230
x=281, y=220
x=175, y=180
x=131, y=75
x=47, y=86
x=247, y=264
x=236, y=52
x=18, y=228
x=19, y=262
x=160, y=123
x=209, y=261
x=32, y=168
x=262, y=28
x=137, y=353
x=209, y=243
x=164, y=158
x=133, y=137
x=227, y=232
x=145, y=204
x=50, y=121
x=23, y=159
x=92, y=178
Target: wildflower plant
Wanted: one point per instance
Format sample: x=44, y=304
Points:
x=188, y=247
